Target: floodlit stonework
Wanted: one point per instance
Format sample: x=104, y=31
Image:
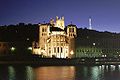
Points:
x=55, y=40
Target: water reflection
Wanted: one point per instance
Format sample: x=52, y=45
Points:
x=87, y=73
x=55, y=73
x=11, y=73
x=16, y=73
x=29, y=73
x=103, y=72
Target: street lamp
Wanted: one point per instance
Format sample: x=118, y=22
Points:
x=12, y=48
x=94, y=44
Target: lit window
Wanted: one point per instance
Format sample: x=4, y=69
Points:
x=57, y=44
x=49, y=51
x=61, y=44
x=54, y=50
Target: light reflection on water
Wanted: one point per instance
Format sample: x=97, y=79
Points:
x=103, y=72
x=55, y=73
x=11, y=73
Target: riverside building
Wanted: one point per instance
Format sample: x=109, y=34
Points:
x=56, y=40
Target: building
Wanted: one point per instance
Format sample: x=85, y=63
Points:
x=56, y=40
x=4, y=48
x=98, y=47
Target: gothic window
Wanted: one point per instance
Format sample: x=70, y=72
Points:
x=45, y=30
x=42, y=29
x=42, y=34
x=69, y=29
x=54, y=49
x=61, y=44
x=58, y=49
x=72, y=29
x=49, y=51
x=61, y=50
x=57, y=44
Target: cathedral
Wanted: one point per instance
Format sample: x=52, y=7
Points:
x=56, y=40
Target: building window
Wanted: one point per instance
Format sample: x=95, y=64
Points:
x=61, y=44
x=58, y=49
x=42, y=29
x=72, y=29
x=61, y=50
x=49, y=51
x=45, y=30
x=54, y=49
x=42, y=34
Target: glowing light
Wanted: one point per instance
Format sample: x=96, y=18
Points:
x=93, y=44
x=11, y=73
x=29, y=48
x=72, y=52
x=36, y=51
x=12, y=48
x=28, y=39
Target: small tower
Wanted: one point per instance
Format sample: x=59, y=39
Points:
x=71, y=31
x=60, y=22
x=90, y=23
x=44, y=30
x=52, y=22
x=72, y=34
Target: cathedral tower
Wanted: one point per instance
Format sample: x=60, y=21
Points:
x=54, y=40
x=44, y=30
x=60, y=22
x=71, y=33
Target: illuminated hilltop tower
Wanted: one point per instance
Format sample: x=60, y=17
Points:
x=54, y=41
x=90, y=23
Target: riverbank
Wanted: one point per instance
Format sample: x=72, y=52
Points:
x=35, y=60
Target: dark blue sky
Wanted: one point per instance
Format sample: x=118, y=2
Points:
x=105, y=13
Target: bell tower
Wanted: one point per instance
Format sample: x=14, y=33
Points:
x=72, y=34
x=60, y=22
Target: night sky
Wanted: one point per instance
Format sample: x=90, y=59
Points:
x=105, y=14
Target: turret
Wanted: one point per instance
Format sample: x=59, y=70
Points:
x=71, y=31
x=60, y=22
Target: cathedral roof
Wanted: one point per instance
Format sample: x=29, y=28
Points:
x=71, y=25
x=45, y=24
x=55, y=29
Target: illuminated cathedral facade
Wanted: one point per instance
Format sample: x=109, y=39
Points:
x=56, y=40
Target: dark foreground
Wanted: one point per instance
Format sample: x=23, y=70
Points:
x=38, y=61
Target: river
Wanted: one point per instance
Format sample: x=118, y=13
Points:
x=19, y=72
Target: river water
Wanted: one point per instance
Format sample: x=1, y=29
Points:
x=19, y=72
